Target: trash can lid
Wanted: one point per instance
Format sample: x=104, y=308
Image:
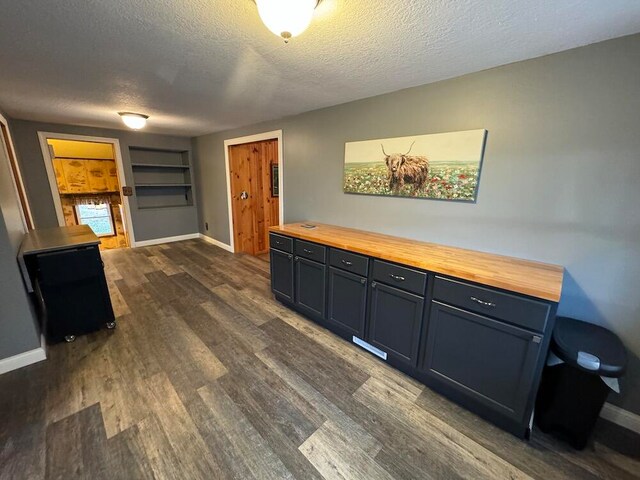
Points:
x=589, y=347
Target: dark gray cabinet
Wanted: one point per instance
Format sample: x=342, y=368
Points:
x=310, y=282
x=347, y=301
x=395, y=321
x=483, y=359
x=482, y=347
x=282, y=274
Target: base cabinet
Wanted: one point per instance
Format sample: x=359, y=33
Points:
x=282, y=273
x=347, y=307
x=310, y=282
x=395, y=322
x=492, y=362
x=482, y=347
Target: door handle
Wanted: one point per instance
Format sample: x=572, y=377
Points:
x=483, y=303
x=244, y=195
x=397, y=278
x=346, y=262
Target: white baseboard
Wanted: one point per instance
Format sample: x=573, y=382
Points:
x=158, y=241
x=217, y=243
x=22, y=360
x=621, y=417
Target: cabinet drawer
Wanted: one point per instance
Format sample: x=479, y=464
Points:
x=516, y=310
x=349, y=261
x=400, y=277
x=281, y=243
x=312, y=251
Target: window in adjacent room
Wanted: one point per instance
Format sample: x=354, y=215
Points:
x=98, y=217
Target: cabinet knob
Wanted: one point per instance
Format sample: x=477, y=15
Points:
x=363, y=281
x=290, y=256
x=536, y=339
x=297, y=259
x=374, y=285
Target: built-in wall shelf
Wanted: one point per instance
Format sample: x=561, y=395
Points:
x=161, y=185
x=162, y=178
x=157, y=165
x=164, y=207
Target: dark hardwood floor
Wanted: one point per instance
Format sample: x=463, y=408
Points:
x=207, y=377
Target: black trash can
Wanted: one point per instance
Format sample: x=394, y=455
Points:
x=584, y=361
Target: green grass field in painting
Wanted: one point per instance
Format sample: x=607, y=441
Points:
x=447, y=181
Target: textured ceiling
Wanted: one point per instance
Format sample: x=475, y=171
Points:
x=198, y=66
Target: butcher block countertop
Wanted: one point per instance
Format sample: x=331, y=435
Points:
x=536, y=279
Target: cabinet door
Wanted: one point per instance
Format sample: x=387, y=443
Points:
x=481, y=358
x=347, y=301
x=395, y=322
x=310, y=286
x=282, y=274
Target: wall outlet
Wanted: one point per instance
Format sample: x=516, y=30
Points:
x=206, y=226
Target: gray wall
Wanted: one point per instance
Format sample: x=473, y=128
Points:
x=560, y=181
x=148, y=224
x=18, y=327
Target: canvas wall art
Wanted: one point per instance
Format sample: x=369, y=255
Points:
x=443, y=166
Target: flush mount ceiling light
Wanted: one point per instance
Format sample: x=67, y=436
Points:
x=135, y=121
x=286, y=18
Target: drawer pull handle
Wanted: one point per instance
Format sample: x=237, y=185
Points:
x=278, y=242
x=305, y=250
x=397, y=278
x=483, y=303
x=346, y=262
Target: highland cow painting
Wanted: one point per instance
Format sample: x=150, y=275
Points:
x=442, y=166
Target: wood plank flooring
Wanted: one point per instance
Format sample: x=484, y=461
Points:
x=207, y=377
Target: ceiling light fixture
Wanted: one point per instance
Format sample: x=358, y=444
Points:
x=286, y=18
x=135, y=121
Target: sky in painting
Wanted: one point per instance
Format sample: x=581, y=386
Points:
x=454, y=147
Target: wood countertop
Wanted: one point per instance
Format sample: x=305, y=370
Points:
x=536, y=279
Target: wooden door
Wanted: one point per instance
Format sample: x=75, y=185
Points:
x=254, y=208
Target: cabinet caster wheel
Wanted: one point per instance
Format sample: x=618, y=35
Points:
x=69, y=338
x=111, y=325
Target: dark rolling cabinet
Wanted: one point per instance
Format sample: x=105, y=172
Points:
x=282, y=274
x=395, y=322
x=347, y=307
x=74, y=293
x=310, y=286
x=479, y=360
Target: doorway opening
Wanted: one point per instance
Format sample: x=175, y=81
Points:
x=254, y=184
x=85, y=176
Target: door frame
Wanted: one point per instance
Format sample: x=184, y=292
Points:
x=53, y=184
x=16, y=176
x=273, y=135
